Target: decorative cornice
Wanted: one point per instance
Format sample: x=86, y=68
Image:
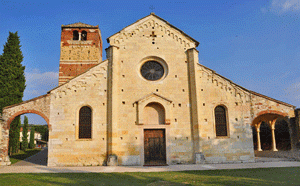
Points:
x=153, y=20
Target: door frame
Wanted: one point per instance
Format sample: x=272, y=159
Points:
x=142, y=128
x=163, y=142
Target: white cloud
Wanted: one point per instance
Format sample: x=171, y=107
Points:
x=39, y=83
x=281, y=6
x=293, y=93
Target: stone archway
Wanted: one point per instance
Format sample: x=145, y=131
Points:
x=264, y=129
x=46, y=118
x=39, y=105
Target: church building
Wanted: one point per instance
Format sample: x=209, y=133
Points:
x=149, y=103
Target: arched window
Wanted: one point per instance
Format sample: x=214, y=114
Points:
x=75, y=35
x=83, y=36
x=85, y=122
x=221, y=121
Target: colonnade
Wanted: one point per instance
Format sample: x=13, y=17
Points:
x=271, y=123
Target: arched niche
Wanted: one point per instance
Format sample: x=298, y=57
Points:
x=155, y=105
x=154, y=113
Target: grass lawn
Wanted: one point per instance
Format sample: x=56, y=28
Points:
x=266, y=176
x=23, y=155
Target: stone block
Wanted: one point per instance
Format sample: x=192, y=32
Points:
x=245, y=158
x=131, y=160
x=199, y=158
x=215, y=159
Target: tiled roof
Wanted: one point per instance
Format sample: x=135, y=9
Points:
x=79, y=24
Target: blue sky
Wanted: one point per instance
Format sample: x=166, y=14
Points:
x=254, y=43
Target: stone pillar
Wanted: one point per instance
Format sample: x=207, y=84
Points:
x=193, y=77
x=4, y=140
x=112, y=103
x=258, y=137
x=273, y=134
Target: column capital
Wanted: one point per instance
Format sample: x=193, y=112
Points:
x=272, y=127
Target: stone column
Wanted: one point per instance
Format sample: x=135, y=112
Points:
x=258, y=137
x=273, y=134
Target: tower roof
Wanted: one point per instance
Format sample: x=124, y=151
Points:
x=78, y=24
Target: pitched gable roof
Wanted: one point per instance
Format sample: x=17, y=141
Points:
x=161, y=19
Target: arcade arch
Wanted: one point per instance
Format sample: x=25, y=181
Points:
x=268, y=130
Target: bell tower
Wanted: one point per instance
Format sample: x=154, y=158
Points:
x=80, y=49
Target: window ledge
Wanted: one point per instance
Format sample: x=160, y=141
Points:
x=85, y=139
x=222, y=137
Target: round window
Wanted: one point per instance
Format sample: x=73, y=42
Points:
x=152, y=70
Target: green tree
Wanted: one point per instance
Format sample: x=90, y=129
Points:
x=31, y=142
x=12, y=84
x=14, y=135
x=25, y=134
x=12, y=79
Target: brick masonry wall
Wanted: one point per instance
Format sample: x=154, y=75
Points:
x=78, y=55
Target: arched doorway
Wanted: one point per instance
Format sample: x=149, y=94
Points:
x=154, y=138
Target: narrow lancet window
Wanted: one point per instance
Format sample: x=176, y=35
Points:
x=85, y=123
x=221, y=121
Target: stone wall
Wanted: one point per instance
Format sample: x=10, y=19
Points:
x=215, y=90
x=150, y=39
x=264, y=105
x=65, y=147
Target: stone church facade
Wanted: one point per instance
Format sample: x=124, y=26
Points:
x=149, y=103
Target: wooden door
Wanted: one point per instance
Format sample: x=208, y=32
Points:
x=155, y=147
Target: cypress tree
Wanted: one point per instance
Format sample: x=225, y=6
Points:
x=25, y=134
x=12, y=79
x=14, y=135
x=12, y=84
x=31, y=142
